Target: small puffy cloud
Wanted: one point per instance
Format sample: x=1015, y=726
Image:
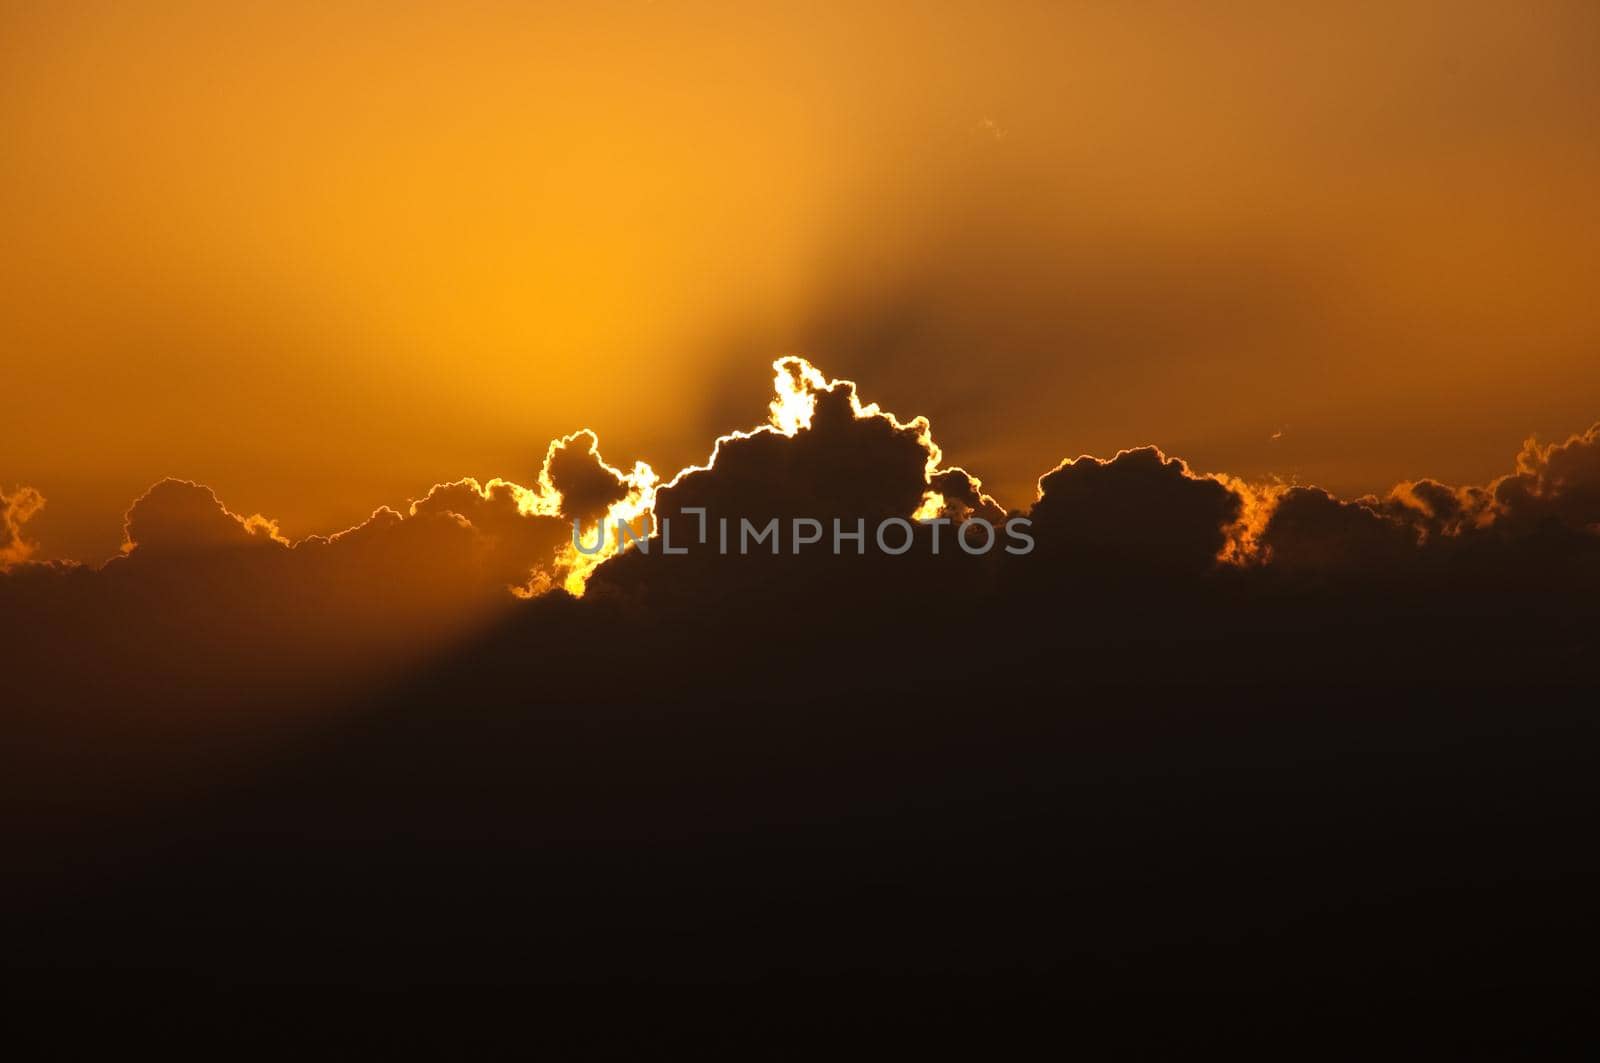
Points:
x=16, y=509
x=960, y=496
x=1436, y=509
x=1140, y=507
x=574, y=471
x=176, y=517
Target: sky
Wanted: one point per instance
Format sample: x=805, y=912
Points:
x=319, y=256
x=1254, y=342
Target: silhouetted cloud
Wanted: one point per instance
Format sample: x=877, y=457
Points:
x=822, y=455
x=1140, y=507
x=960, y=495
x=641, y=693
x=1437, y=509
x=1549, y=505
x=842, y=463
x=586, y=485
x=180, y=517
x=1557, y=483
x=1310, y=529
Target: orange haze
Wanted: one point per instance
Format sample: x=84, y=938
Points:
x=315, y=254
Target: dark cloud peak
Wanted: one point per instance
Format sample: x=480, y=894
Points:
x=1547, y=510
x=1311, y=530
x=574, y=470
x=1558, y=483
x=1140, y=507
x=178, y=517
x=841, y=464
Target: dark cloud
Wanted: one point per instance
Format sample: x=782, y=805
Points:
x=204, y=595
x=1310, y=530
x=1198, y=703
x=1141, y=508
x=134, y=677
x=180, y=517
x=1437, y=509
x=464, y=546
x=963, y=495
x=467, y=546
x=848, y=464
x=460, y=545
x=843, y=465
x=1554, y=488
x=588, y=487
x=508, y=545
x=1558, y=483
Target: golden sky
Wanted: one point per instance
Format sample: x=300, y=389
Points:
x=320, y=256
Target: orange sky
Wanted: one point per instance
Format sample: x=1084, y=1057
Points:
x=321, y=256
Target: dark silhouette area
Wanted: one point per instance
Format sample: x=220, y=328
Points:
x=1350, y=778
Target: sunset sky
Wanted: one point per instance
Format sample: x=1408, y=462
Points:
x=318, y=259
x=1111, y=493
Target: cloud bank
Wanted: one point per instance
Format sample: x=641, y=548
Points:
x=1174, y=633
x=466, y=547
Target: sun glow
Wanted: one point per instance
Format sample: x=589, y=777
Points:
x=933, y=504
x=795, y=405
x=634, y=509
